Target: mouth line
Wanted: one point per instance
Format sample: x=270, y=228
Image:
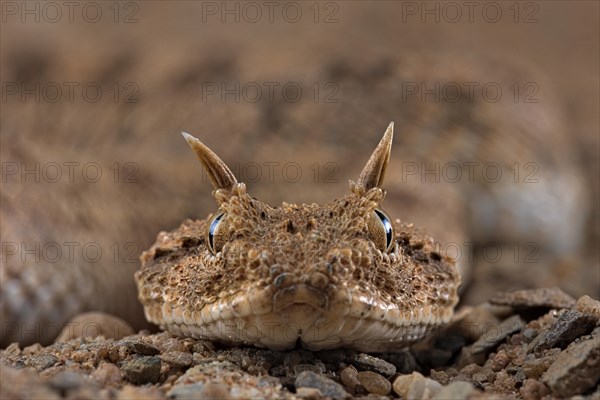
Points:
x=343, y=303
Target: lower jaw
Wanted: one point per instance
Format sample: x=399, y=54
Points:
x=313, y=329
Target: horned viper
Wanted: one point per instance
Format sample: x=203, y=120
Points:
x=331, y=275
x=39, y=295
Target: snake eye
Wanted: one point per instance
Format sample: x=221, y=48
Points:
x=216, y=233
x=381, y=230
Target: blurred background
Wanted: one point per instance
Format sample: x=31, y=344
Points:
x=496, y=148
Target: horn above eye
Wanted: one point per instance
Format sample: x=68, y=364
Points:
x=374, y=171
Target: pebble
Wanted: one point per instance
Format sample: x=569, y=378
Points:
x=177, y=359
x=317, y=369
x=42, y=361
x=12, y=350
x=534, y=366
x=93, y=324
x=367, y=362
x=499, y=361
x=415, y=386
x=533, y=390
x=32, y=349
x=24, y=384
x=142, y=370
x=531, y=298
x=589, y=306
x=440, y=376
x=576, y=369
x=477, y=352
x=199, y=391
x=139, y=346
x=133, y=392
x=403, y=360
x=504, y=383
x=570, y=325
x=309, y=393
x=107, y=374
x=458, y=390
x=172, y=344
x=374, y=383
x=349, y=377
x=67, y=380
x=326, y=386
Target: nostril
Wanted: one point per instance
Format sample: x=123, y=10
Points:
x=284, y=279
x=318, y=280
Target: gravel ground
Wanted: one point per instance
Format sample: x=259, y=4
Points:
x=527, y=344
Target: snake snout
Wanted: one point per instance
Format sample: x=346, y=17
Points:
x=300, y=294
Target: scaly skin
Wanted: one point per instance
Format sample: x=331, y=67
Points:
x=321, y=275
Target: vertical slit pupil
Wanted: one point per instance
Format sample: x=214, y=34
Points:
x=387, y=226
x=213, y=227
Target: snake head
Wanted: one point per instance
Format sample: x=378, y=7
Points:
x=340, y=274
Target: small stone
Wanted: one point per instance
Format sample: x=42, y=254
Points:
x=349, y=377
x=409, y=386
x=172, y=344
x=374, y=383
x=569, y=326
x=67, y=380
x=24, y=384
x=142, y=370
x=203, y=347
x=42, y=361
x=32, y=349
x=500, y=361
x=134, y=392
x=458, y=390
x=479, y=377
x=587, y=305
x=403, y=360
x=477, y=352
x=216, y=391
x=93, y=324
x=326, y=386
x=199, y=390
x=519, y=376
x=309, y=393
x=504, y=383
x=575, y=370
x=107, y=374
x=187, y=391
x=529, y=334
x=535, y=366
x=308, y=367
x=415, y=386
x=533, y=298
x=471, y=369
x=139, y=346
x=177, y=359
x=13, y=349
x=440, y=377
x=533, y=390
x=367, y=362
x=292, y=358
